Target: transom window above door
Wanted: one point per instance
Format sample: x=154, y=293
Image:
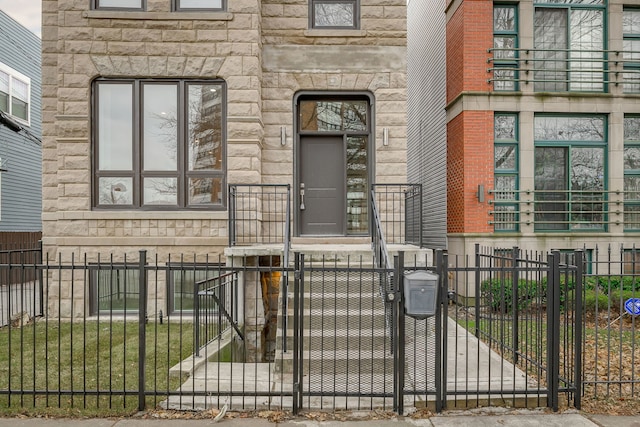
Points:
x=159, y=144
x=341, y=14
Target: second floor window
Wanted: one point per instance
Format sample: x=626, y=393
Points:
x=159, y=144
x=505, y=43
x=340, y=14
x=569, y=43
x=631, y=49
x=15, y=93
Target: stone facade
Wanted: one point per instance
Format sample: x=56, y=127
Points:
x=265, y=53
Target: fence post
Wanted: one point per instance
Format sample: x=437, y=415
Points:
x=298, y=349
x=441, y=263
x=553, y=329
x=196, y=317
x=578, y=332
x=514, y=301
x=142, y=336
x=398, y=319
x=40, y=277
x=477, y=291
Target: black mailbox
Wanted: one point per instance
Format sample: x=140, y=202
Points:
x=420, y=294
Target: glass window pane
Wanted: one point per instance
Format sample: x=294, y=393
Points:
x=631, y=21
x=205, y=127
x=115, y=126
x=4, y=82
x=184, y=283
x=505, y=157
x=504, y=18
x=587, y=169
x=357, y=185
x=117, y=290
x=160, y=133
x=4, y=102
x=550, y=43
x=125, y=4
x=160, y=191
x=587, y=43
x=20, y=89
x=632, y=219
x=205, y=191
x=115, y=191
x=501, y=43
x=505, y=186
x=551, y=183
x=333, y=14
x=632, y=188
x=632, y=128
x=504, y=127
x=199, y=4
x=333, y=115
x=19, y=109
x=631, y=158
x=584, y=2
x=506, y=218
x=556, y=128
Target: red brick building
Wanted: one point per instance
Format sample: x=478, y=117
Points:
x=542, y=119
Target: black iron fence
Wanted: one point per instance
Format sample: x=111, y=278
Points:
x=399, y=209
x=516, y=328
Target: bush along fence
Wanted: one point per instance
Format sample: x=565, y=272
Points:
x=113, y=335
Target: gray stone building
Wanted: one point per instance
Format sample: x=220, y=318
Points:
x=151, y=108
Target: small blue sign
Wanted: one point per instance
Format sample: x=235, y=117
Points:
x=632, y=305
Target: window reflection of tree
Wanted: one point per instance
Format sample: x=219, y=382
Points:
x=333, y=14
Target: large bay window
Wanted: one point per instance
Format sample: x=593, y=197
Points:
x=632, y=173
x=570, y=172
x=159, y=144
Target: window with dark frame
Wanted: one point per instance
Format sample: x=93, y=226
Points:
x=140, y=5
x=334, y=14
x=159, y=144
x=506, y=215
x=210, y=280
x=631, y=49
x=114, y=289
x=200, y=5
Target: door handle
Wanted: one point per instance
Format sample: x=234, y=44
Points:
x=302, y=207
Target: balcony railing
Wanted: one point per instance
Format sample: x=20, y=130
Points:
x=565, y=210
x=557, y=70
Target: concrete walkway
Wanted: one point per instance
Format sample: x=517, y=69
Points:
x=455, y=419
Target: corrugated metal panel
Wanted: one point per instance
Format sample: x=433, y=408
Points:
x=21, y=184
x=426, y=89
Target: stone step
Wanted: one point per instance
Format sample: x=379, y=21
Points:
x=365, y=340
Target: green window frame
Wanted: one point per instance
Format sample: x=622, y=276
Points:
x=632, y=172
x=506, y=166
x=631, y=49
x=15, y=94
x=570, y=172
x=570, y=42
x=505, y=45
x=159, y=144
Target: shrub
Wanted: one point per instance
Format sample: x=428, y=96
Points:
x=498, y=294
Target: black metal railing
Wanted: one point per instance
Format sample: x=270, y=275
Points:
x=400, y=212
x=259, y=214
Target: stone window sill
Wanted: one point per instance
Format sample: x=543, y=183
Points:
x=158, y=16
x=335, y=33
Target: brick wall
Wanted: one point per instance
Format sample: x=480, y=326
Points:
x=470, y=163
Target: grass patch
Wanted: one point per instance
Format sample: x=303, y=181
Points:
x=87, y=368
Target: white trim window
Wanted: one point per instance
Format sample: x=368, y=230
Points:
x=200, y=5
x=15, y=93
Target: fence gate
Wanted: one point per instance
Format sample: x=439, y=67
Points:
x=507, y=332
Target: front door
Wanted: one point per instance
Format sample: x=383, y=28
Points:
x=322, y=186
x=334, y=165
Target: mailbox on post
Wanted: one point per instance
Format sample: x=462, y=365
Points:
x=420, y=294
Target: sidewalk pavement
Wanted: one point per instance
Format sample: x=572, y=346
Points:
x=450, y=419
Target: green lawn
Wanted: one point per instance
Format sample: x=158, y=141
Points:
x=95, y=364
